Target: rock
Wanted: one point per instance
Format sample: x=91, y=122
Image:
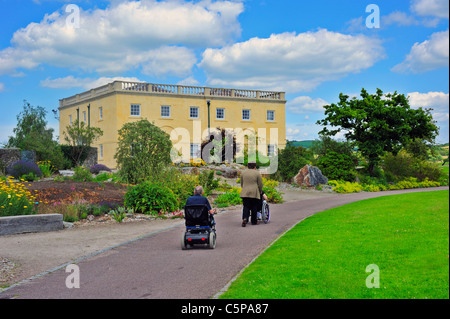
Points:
x=310, y=176
x=67, y=224
x=229, y=172
x=67, y=172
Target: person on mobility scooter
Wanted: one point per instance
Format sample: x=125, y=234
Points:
x=200, y=224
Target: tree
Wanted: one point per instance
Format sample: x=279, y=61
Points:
x=79, y=137
x=291, y=159
x=378, y=123
x=31, y=133
x=222, y=141
x=143, y=151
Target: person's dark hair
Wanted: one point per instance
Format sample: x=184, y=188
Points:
x=251, y=165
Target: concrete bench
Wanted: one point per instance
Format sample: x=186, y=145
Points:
x=30, y=223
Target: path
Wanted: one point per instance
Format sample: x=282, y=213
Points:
x=156, y=267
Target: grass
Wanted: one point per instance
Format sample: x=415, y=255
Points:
x=326, y=255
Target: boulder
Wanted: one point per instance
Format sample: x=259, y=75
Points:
x=310, y=176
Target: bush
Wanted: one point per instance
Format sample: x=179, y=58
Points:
x=207, y=181
x=20, y=168
x=290, y=160
x=404, y=165
x=273, y=195
x=82, y=174
x=143, y=151
x=337, y=166
x=182, y=185
x=15, y=199
x=95, y=169
x=151, y=198
x=231, y=197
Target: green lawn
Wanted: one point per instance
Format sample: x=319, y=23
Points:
x=326, y=255
x=445, y=169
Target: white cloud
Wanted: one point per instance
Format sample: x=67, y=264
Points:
x=85, y=83
x=399, y=18
x=434, y=8
x=426, y=56
x=124, y=36
x=306, y=104
x=439, y=102
x=291, y=62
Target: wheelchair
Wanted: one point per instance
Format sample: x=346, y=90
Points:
x=200, y=227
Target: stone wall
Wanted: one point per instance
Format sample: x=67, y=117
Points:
x=11, y=155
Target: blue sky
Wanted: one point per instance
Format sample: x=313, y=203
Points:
x=312, y=50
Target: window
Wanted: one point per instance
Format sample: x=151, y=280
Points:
x=195, y=150
x=135, y=110
x=100, y=113
x=165, y=111
x=246, y=114
x=220, y=114
x=271, y=149
x=101, y=150
x=84, y=116
x=271, y=115
x=70, y=119
x=193, y=112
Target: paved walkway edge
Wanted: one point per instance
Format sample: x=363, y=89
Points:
x=2, y=290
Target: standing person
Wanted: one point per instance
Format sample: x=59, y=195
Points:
x=252, y=185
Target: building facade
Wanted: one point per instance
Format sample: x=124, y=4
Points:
x=187, y=113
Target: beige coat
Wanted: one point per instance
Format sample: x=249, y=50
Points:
x=251, y=183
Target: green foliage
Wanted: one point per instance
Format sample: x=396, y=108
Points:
x=269, y=188
x=378, y=123
x=143, y=151
x=231, y=197
x=208, y=182
x=405, y=165
x=120, y=213
x=151, y=198
x=337, y=166
x=411, y=182
x=31, y=133
x=290, y=160
x=182, y=185
x=82, y=174
x=80, y=136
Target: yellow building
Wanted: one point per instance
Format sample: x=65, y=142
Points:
x=176, y=109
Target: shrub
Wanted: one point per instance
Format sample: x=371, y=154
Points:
x=231, y=197
x=291, y=160
x=182, y=185
x=207, y=181
x=143, y=151
x=151, y=198
x=273, y=195
x=95, y=169
x=82, y=174
x=404, y=165
x=15, y=199
x=46, y=168
x=20, y=168
x=337, y=166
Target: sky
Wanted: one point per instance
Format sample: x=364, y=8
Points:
x=312, y=50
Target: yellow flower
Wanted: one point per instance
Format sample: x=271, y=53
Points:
x=10, y=203
x=24, y=206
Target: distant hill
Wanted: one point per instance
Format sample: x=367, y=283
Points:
x=305, y=144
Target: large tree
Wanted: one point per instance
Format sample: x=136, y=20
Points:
x=32, y=133
x=378, y=123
